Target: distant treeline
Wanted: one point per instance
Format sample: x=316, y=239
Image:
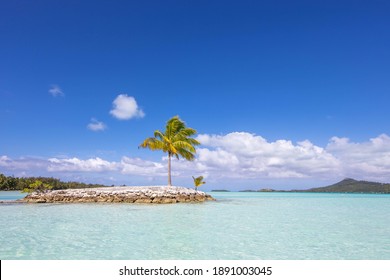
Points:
x=11, y=183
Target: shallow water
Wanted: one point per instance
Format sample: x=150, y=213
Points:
x=236, y=226
x=11, y=195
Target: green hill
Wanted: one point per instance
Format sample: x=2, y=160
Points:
x=353, y=186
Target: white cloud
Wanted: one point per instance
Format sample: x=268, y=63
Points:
x=252, y=156
x=4, y=161
x=21, y=166
x=126, y=165
x=55, y=91
x=245, y=155
x=95, y=125
x=137, y=166
x=126, y=107
x=218, y=158
x=238, y=157
x=79, y=165
x=367, y=160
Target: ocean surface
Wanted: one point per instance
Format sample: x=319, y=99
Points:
x=238, y=226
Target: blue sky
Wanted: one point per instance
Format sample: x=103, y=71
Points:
x=284, y=94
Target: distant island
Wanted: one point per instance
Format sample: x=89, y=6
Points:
x=261, y=190
x=347, y=185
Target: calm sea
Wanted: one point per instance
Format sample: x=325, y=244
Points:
x=273, y=226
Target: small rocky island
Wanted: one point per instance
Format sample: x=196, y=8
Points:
x=152, y=194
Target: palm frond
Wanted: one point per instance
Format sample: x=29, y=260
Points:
x=158, y=134
x=193, y=141
x=184, y=145
x=152, y=144
x=198, y=181
x=186, y=154
x=183, y=134
x=173, y=126
x=175, y=140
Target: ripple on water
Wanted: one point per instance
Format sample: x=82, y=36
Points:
x=236, y=226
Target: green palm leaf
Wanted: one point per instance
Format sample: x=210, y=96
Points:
x=175, y=140
x=198, y=181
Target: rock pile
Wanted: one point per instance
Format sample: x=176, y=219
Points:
x=156, y=194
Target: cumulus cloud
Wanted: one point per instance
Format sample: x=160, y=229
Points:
x=55, y=91
x=369, y=160
x=21, y=166
x=236, y=156
x=126, y=165
x=78, y=165
x=4, y=161
x=125, y=108
x=137, y=166
x=247, y=155
x=95, y=125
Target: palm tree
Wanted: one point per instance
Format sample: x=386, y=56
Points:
x=175, y=140
x=198, y=181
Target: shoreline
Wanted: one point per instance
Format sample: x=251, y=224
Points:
x=127, y=194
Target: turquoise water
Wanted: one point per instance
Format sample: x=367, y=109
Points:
x=275, y=226
x=9, y=196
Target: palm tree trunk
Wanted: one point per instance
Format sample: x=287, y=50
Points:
x=169, y=170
